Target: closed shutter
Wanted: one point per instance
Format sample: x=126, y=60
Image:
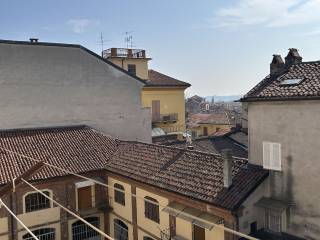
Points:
x=272, y=156
x=156, y=110
x=84, y=198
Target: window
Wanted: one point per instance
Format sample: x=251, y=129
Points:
x=119, y=196
x=120, y=230
x=80, y=231
x=151, y=209
x=35, y=201
x=273, y=220
x=272, y=156
x=205, y=131
x=41, y=234
x=132, y=69
x=293, y=81
x=198, y=233
x=194, y=134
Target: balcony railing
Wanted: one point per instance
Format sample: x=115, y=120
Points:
x=124, y=52
x=170, y=117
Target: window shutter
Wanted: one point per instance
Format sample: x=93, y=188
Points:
x=272, y=156
x=276, y=156
x=266, y=155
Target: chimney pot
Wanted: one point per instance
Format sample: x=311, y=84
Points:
x=276, y=64
x=34, y=40
x=227, y=167
x=293, y=57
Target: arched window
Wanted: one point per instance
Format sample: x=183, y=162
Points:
x=36, y=201
x=81, y=231
x=151, y=209
x=41, y=234
x=120, y=230
x=119, y=196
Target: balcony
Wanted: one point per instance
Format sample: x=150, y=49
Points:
x=124, y=53
x=165, y=118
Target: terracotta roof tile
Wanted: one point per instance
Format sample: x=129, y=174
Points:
x=157, y=79
x=271, y=87
x=80, y=149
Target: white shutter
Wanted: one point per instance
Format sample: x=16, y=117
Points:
x=272, y=156
x=266, y=155
x=276, y=156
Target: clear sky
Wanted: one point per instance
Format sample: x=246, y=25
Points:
x=221, y=47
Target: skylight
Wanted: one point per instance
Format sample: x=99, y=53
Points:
x=293, y=81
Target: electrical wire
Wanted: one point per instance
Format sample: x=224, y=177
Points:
x=22, y=224
x=134, y=195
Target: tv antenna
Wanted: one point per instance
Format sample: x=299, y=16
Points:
x=102, y=42
x=128, y=39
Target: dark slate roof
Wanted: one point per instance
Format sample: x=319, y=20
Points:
x=157, y=79
x=268, y=235
x=66, y=45
x=270, y=88
x=212, y=145
x=80, y=149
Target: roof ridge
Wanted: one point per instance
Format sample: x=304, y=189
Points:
x=45, y=128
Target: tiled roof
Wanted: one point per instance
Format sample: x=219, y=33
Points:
x=80, y=149
x=197, y=119
x=157, y=79
x=213, y=145
x=271, y=88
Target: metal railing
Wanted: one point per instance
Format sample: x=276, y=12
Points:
x=170, y=117
x=124, y=52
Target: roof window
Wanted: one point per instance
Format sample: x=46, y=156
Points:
x=293, y=81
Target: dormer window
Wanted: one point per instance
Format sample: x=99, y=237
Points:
x=293, y=81
x=132, y=69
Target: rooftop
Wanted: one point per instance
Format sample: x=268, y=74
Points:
x=195, y=120
x=157, y=79
x=194, y=174
x=293, y=80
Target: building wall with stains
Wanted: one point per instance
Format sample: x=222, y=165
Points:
x=295, y=125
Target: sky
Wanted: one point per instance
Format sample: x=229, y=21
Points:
x=220, y=47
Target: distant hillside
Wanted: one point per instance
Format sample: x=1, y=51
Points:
x=229, y=98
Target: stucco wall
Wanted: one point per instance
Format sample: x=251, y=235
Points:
x=141, y=65
x=296, y=126
x=48, y=85
x=171, y=101
x=212, y=128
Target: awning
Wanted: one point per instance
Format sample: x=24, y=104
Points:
x=272, y=204
x=195, y=216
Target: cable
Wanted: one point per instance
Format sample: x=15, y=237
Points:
x=22, y=224
x=67, y=210
x=134, y=195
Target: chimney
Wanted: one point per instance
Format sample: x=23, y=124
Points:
x=276, y=64
x=227, y=167
x=34, y=40
x=293, y=57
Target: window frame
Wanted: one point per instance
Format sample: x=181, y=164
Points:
x=83, y=184
x=268, y=152
x=36, y=192
x=51, y=230
x=119, y=196
x=151, y=210
x=116, y=226
x=79, y=225
x=132, y=69
x=269, y=224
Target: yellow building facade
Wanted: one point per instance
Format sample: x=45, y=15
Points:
x=163, y=94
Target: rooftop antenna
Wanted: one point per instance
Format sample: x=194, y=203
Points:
x=129, y=39
x=102, y=42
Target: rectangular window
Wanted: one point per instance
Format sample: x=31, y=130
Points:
x=36, y=201
x=198, y=233
x=273, y=220
x=132, y=69
x=151, y=209
x=119, y=195
x=272, y=156
x=84, y=198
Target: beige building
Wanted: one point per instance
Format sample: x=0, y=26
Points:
x=155, y=192
x=163, y=94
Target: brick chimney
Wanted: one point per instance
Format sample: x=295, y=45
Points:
x=227, y=167
x=293, y=57
x=276, y=64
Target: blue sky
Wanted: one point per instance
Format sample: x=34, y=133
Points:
x=220, y=47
